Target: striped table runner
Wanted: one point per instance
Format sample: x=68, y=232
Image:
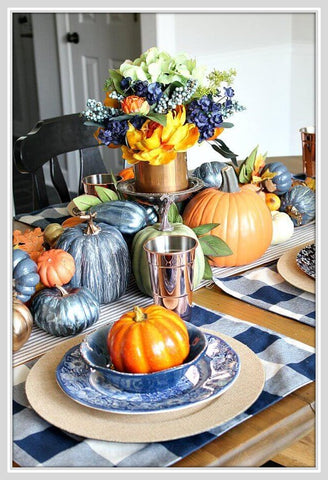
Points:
x=41, y=342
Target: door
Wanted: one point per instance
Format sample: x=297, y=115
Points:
x=100, y=41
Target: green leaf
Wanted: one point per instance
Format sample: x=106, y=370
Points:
x=247, y=167
x=116, y=78
x=174, y=215
x=219, y=146
x=82, y=204
x=208, y=274
x=89, y=123
x=202, y=229
x=120, y=195
x=105, y=194
x=157, y=117
x=214, y=246
x=119, y=118
x=226, y=125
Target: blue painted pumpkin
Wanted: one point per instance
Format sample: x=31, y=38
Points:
x=24, y=274
x=281, y=182
x=299, y=203
x=65, y=311
x=128, y=217
x=102, y=261
x=210, y=173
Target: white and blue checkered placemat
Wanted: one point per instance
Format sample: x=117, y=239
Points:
x=288, y=365
x=264, y=287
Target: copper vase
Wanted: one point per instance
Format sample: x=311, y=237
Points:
x=172, y=177
x=308, y=150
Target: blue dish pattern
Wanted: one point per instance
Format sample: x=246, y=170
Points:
x=211, y=376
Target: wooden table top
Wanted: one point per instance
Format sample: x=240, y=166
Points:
x=279, y=431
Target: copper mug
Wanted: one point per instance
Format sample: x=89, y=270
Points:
x=99, y=180
x=308, y=150
x=171, y=266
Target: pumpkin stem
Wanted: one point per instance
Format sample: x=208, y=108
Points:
x=92, y=228
x=165, y=225
x=229, y=180
x=139, y=315
x=62, y=290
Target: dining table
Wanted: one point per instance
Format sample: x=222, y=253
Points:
x=282, y=434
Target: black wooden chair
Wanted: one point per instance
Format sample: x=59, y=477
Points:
x=45, y=142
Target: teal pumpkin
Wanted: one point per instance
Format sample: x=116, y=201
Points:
x=281, y=182
x=25, y=275
x=299, y=203
x=65, y=311
x=210, y=173
x=139, y=259
x=102, y=261
x=128, y=217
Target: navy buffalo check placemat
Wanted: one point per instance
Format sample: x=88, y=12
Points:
x=41, y=218
x=288, y=365
x=264, y=287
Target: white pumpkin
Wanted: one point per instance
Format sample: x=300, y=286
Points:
x=283, y=227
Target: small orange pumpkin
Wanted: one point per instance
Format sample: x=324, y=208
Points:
x=245, y=222
x=148, y=340
x=55, y=267
x=126, y=173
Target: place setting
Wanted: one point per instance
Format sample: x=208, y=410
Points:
x=114, y=349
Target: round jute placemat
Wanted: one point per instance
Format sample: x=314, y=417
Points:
x=289, y=270
x=53, y=405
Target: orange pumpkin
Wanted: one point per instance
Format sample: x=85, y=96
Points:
x=55, y=267
x=126, y=173
x=148, y=340
x=245, y=222
x=254, y=188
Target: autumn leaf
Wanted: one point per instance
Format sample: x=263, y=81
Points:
x=31, y=241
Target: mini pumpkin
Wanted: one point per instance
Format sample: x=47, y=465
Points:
x=282, y=180
x=148, y=340
x=273, y=201
x=299, y=203
x=55, y=267
x=210, y=173
x=51, y=233
x=64, y=311
x=22, y=324
x=283, y=227
x=25, y=276
x=244, y=220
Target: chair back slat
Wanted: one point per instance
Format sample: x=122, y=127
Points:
x=40, y=196
x=58, y=180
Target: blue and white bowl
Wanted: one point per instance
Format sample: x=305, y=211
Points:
x=94, y=352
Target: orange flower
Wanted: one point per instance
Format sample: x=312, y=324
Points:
x=217, y=132
x=111, y=102
x=159, y=145
x=126, y=173
x=134, y=104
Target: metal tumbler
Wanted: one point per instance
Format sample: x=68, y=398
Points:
x=308, y=150
x=99, y=180
x=171, y=265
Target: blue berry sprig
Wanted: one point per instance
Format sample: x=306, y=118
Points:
x=96, y=112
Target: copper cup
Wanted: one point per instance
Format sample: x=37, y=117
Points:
x=171, y=266
x=308, y=150
x=99, y=180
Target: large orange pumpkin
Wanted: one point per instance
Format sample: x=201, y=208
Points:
x=55, y=267
x=148, y=340
x=245, y=222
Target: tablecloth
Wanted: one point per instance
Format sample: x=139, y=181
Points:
x=288, y=365
x=265, y=288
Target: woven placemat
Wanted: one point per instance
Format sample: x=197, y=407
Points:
x=53, y=405
x=289, y=270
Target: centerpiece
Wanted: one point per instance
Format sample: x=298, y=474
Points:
x=156, y=108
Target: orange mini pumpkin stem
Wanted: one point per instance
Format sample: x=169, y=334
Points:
x=139, y=316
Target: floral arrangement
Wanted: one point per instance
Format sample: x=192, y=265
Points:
x=159, y=105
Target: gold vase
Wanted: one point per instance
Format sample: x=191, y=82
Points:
x=172, y=177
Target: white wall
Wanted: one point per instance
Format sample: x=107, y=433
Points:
x=274, y=56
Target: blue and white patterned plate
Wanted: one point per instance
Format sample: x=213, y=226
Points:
x=215, y=372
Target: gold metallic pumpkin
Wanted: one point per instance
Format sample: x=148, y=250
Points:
x=51, y=233
x=22, y=324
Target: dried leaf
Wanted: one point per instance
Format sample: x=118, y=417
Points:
x=31, y=241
